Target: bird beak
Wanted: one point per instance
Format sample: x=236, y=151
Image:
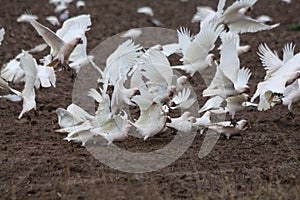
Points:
x=80, y=41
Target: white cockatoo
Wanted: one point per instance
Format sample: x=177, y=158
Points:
x=12, y=71
x=203, y=121
x=121, y=96
x=70, y=29
x=72, y=116
x=229, y=79
x=236, y=20
x=196, y=51
x=115, y=129
x=155, y=68
x=184, y=123
x=279, y=75
x=152, y=118
x=64, y=41
x=270, y=60
x=236, y=103
x=229, y=129
x=213, y=103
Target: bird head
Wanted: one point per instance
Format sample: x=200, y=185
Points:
x=79, y=40
x=136, y=92
x=210, y=59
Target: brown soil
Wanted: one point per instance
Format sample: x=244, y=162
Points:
x=36, y=163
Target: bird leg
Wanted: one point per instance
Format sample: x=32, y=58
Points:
x=291, y=115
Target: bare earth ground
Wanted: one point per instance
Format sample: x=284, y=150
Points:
x=36, y=163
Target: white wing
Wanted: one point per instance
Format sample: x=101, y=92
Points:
x=74, y=27
x=157, y=68
x=229, y=61
x=202, y=13
x=269, y=59
x=45, y=77
x=119, y=63
x=203, y=43
x=243, y=77
x=288, y=52
x=184, y=38
x=28, y=64
x=48, y=35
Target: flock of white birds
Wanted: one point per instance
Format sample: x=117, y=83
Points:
x=152, y=86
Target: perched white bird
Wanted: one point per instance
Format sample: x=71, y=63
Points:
x=53, y=20
x=229, y=78
x=146, y=10
x=196, y=56
x=229, y=129
x=236, y=20
x=2, y=33
x=184, y=123
x=63, y=42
